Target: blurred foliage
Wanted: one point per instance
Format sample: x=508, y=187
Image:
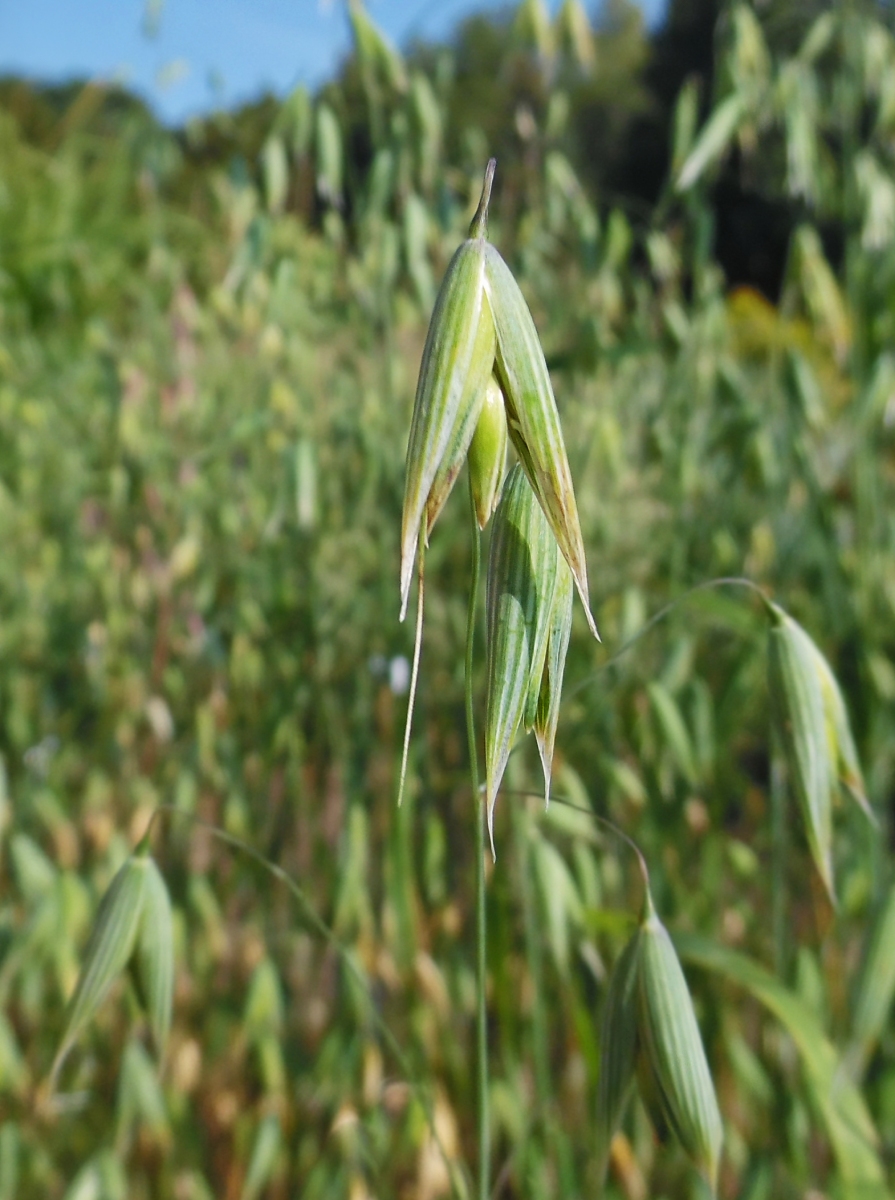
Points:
x=209, y=341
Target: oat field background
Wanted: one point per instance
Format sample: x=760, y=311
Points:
x=209, y=344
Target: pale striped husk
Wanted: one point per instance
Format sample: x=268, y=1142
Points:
x=533, y=417
x=522, y=575
x=673, y=1047
x=154, y=956
x=843, y=752
x=457, y=361
x=108, y=949
x=549, y=692
x=797, y=707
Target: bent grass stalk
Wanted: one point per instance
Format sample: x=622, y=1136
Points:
x=665, y=611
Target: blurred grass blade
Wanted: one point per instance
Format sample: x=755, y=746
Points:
x=816, y=281
x=265, y=1149
x=574, y=33
x=713, y=141
x=560, y=899
x=141, y=1103
x=102, y=1178
x=10, y=1141
x=819, y=36
x=305, y=484
x=275, y=168
x=673, y=729
x=375, y=50
x=533, y=418
x=531, y=28
x=686, y=114
x=522, y=573
x=154, y=957
x=416, y=237
x=840, y=1105
x=798, y=102
x=618, y=1050
x=797, y=708
x=264, y=1003
x=876, y=991
x=328, y=143
x=108, y=949
x=673, y=1047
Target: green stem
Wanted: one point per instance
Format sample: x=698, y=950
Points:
x=481, y=923
x=666, y=610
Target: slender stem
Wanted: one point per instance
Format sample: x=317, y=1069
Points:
x=415, y=671
x=666, y=610
x=481, y=923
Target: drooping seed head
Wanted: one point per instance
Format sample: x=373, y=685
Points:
x=797, y=707
x=457, y=362
x=532, y=416
x=133, y=922
x=108, y=948
x=673, y=1047
x=481, y=324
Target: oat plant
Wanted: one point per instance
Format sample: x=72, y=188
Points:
x=483, y=381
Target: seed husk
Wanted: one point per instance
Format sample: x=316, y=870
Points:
x=841, y=743
x=108, y=949
x=533, y=418
x=153, y=961
x=797, y=705
x=457, y=361
x=549, y=691
x=522, y=574
x=488, y=453
x=673, y=1047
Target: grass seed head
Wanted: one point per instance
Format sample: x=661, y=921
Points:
x=133, y=926
x=797, y=707
x=456, y=366
x=532, y=416
x=673, y=1047
x=108, y=948
x=482, y=325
